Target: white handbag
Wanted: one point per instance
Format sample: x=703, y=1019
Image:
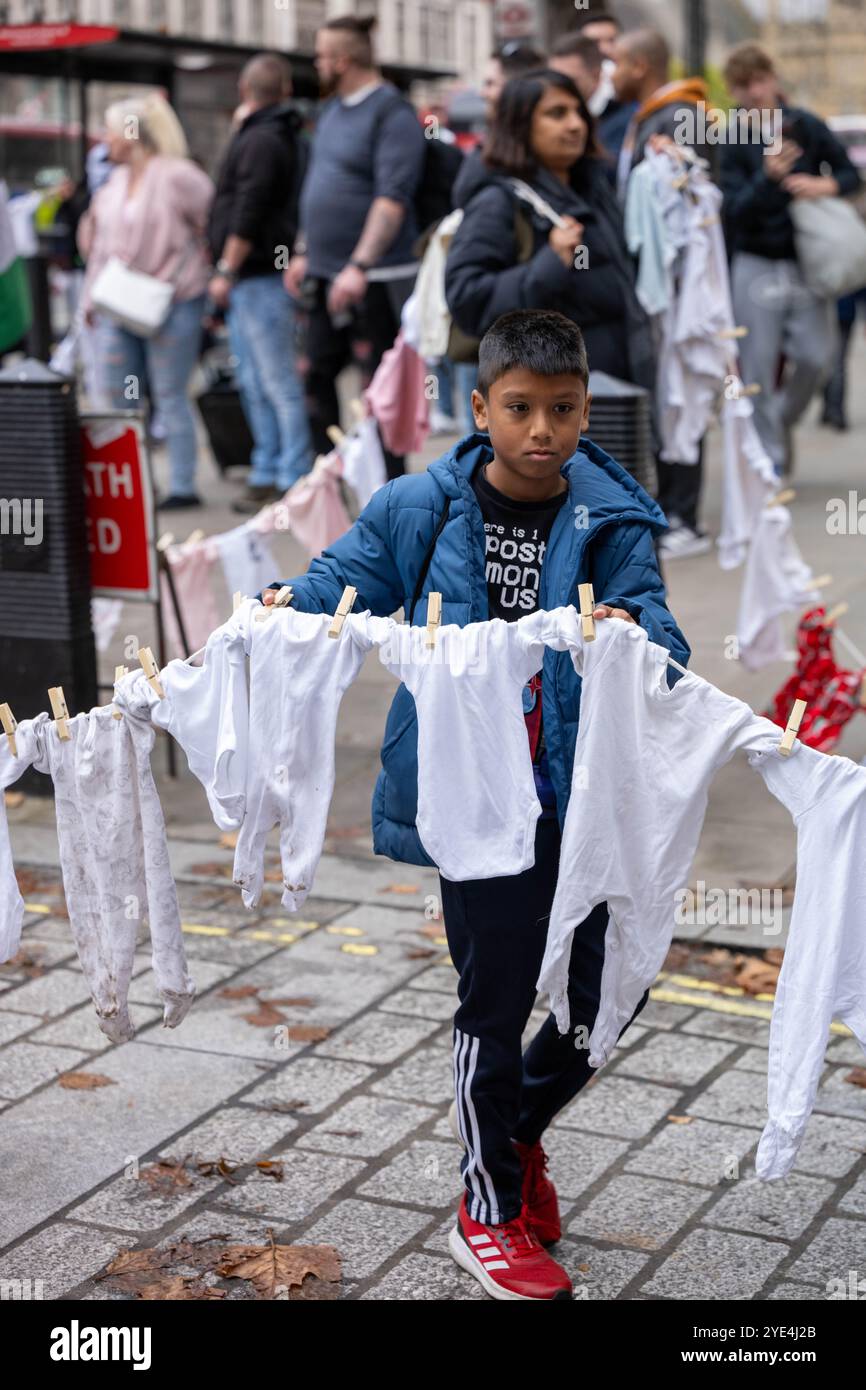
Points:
x=830, y=237
x=138, y=302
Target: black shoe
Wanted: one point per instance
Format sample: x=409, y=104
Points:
x=175, y=501
x=255, y=498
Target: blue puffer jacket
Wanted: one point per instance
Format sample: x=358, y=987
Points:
x=604, y=535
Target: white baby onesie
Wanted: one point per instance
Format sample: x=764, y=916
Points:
x=777, y=580
x=114, y=858
x=644, y=758
x=477, y=803
x=11, y=768
x=298, y=675
x=823, y=973
x=206, y=708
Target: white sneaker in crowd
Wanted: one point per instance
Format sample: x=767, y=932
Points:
x=683, y=540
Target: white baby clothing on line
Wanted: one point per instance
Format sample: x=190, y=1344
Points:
x=206, y=709
x=11, y=768
x=823, y=973
x=298, y=675
x=748, y=479
x=115, y=863
x=363, y=461
x=776, y=580
x=644, y=759
x=246, y=557
x=477, y=803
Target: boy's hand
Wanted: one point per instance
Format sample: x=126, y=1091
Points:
x=268, y=596
x=602, y=610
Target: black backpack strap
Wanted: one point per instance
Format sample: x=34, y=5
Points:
x=419, y=585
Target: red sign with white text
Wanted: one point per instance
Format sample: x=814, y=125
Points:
x=119, y=511
x=26, y=38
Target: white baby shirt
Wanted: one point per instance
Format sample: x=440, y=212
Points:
x=206, y=709
x=298, y=675
x=115, y=863
x=477, y=804
x=823, y=974
x=777, y=580
x=644, y=758
x=11, y=768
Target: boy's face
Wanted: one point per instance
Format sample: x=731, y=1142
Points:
x=535, y=423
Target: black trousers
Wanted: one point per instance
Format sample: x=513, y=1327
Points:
x=496, y=930
x=679, y=491
x=364, y=340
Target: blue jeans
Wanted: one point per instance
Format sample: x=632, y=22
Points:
x=261, y=323
x=129, y=367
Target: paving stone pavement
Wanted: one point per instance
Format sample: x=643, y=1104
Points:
x=653, y=1161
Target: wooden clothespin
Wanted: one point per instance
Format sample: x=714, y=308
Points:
x=754, y=388
x=587, y=603
x=358, y=409
x=165, y=540
x=739, y=332
x=237, y=599
x=151, y=671
x=792, y=728
x=119, y=671
x=195, y=536
x=344, y=607
x=835, y=612
x=282, y=599
x=707, y=221
x=434, y=617
x=10, y=724
x=821, y=582
x=59, y=710
x=336, y=435
x=780, y=498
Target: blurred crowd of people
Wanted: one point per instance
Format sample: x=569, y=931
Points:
x=308, y=245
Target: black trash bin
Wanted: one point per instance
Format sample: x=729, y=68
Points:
x=46, y=634
x=620, y=422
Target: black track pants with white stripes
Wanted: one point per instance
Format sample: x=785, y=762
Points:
x=496, y=930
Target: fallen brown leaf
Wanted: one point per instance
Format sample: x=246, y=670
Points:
x=307, y=1032
x=857, y=1077
x=265, y=1017
x=271, y=1267
x=238, y=991
x=83, y=1080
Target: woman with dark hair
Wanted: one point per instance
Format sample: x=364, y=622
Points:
x=541, y=158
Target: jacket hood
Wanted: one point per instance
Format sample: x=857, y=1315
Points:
x=691, y=89
x=282, y=115
x=472, y=176
x=595, y=481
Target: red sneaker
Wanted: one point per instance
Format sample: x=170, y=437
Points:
x=540, y=1206
x=507, y=1260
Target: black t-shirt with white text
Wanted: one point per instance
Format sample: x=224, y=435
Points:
x=515, y=540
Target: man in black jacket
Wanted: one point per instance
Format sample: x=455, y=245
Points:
x=252, y=229
x=760, y=181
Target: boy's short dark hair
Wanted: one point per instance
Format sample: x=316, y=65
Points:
x=536, y=340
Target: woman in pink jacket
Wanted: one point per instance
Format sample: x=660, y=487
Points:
x=151, y=213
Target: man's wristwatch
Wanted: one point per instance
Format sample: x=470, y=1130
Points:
x=224, y=269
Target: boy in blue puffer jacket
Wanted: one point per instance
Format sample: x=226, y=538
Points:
x=508, y=521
